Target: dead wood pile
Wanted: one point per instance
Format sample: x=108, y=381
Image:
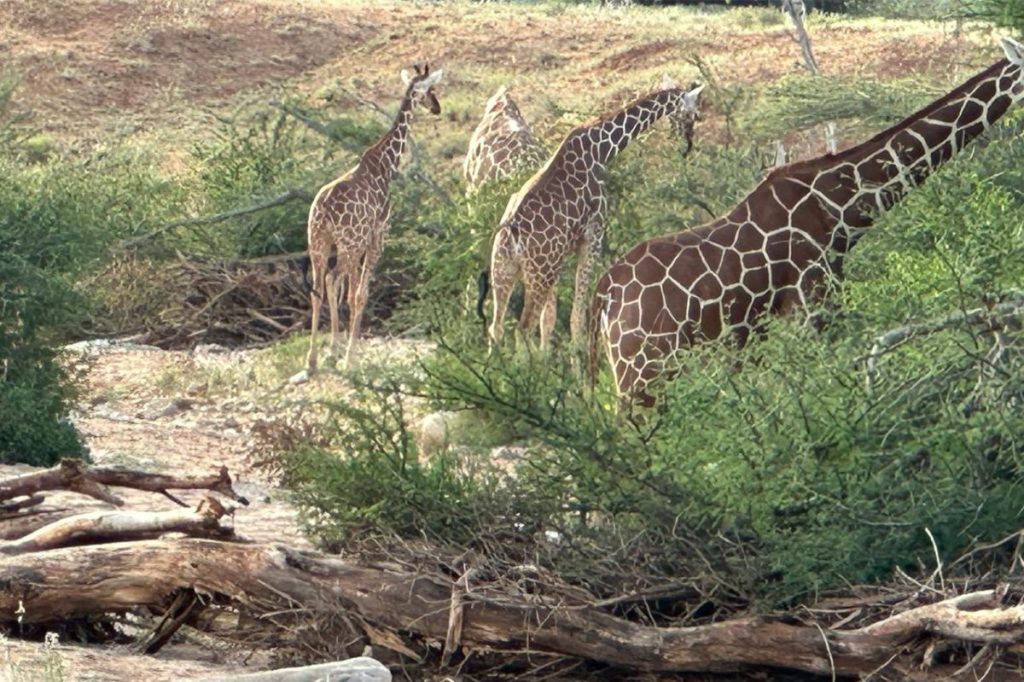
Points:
x=232, y=303
x=449, y=615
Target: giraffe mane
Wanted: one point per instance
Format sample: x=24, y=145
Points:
x=810, y=164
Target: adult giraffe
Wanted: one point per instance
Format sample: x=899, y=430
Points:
x=562, y=208
x=352, y=215
x=501, y=145
x=780, y=246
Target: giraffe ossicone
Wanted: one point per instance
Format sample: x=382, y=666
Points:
x=561, y=211
x=351, y=217
x=782, y=245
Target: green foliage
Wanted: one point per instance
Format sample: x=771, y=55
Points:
x=59, y=219
x=906, y=9
x=256, y=156
x=36, y=390
x=801, y=101
x=1006, y=13
x=364, y=473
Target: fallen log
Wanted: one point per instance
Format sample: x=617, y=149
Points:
x=274, y=582
x=76, y=476
x=120, y=526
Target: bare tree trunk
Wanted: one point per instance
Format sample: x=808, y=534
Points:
x=267, y=579
x=797, y=13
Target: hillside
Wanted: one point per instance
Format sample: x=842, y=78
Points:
x=95, y=71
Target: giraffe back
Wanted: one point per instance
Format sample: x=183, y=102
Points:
x=501, y=145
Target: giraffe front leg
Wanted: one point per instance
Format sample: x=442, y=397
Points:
x=316, y=295
x=587, y=256
x=334, y=282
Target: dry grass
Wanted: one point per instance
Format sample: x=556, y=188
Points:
x=94, y=70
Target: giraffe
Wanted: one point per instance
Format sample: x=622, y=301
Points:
x=351, y=214
x=562, y=208
x=784, y=244
x=501, y=145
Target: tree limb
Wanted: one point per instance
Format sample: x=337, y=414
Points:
x=293, y=194
x=76, y=476
x=79, y=581
x=110, y=526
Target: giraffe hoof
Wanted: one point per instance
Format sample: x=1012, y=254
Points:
x=300, y=378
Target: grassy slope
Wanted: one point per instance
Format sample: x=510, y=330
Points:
x=99, y=70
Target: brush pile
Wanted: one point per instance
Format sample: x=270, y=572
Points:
x=416, y=607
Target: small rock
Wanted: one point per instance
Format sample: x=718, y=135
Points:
x=433, y=432
x=164, y=409
x=360, y=669
x=209, y=348
x=198, y=388
x=300, y=378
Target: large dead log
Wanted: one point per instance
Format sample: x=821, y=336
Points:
x=261, y=579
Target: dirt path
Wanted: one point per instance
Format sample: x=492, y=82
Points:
x=134, y=413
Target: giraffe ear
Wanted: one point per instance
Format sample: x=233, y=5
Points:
x=1014, y=51
x=435, y=77
x=666, y=82
x=406, y=77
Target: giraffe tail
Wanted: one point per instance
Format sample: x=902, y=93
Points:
x=304, y=263
x=483, y=284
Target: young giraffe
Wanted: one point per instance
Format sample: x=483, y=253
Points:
x=501, y=145
x=785, y=242
x=562, y=208
x=352, y=215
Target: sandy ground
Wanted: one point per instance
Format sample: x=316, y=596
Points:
x=130, y=417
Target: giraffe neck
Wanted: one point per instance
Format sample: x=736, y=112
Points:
x=613, y=133
x=857, y=185
x=385, y=156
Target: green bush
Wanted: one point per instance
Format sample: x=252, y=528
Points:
x=36, y=390
x=906, y=9
x=1004, y=13
x=59, y=218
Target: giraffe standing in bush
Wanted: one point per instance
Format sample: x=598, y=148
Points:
x=501, y=145
x=785, y=242
x=352, y=215
x=561, y=210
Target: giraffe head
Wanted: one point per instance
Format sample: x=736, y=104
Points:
x=1015, y=55
x=687, y=113
x=420, y=87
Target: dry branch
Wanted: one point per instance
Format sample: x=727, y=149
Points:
x=119, y=526
x=88, y=580
x=77, y=477
x=993, y=317
x=293, y=194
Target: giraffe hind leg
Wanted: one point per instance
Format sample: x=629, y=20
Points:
x=359, y=288
x=548, y=317
x=318, y=291
x=503, y=278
